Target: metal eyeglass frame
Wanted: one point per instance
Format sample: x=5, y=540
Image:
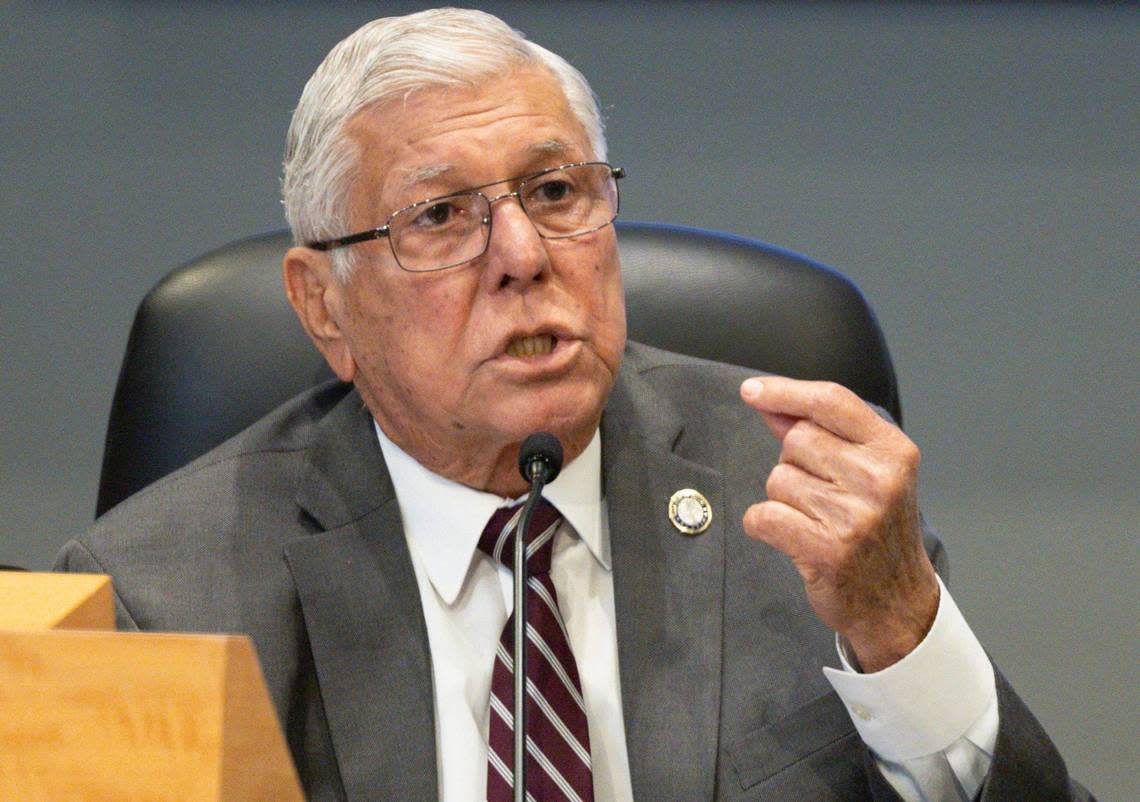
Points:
x=384, y=231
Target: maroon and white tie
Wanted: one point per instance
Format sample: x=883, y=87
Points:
x=558, y=740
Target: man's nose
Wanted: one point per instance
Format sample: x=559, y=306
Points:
x=515, y=253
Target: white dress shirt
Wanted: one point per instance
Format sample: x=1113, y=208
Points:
x=931, y=719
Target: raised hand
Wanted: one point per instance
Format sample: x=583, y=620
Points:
x=842, y=504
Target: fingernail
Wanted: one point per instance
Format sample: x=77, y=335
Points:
x=751, y=388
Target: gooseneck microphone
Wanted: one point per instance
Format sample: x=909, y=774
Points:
x=540, y=460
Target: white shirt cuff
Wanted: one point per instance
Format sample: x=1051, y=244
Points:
x=928, y=700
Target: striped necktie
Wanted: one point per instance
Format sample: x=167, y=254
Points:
x=558, y=740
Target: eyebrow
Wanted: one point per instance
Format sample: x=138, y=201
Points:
x=422, y=175
x=549, y=147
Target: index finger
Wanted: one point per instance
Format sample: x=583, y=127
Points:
x=827, y=404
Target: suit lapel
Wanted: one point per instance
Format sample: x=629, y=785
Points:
x=669, y=599
x=363, y=619
x=362, y=614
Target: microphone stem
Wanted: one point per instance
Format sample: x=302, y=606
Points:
x=537, y=481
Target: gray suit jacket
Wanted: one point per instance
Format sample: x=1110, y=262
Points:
x=291, y=532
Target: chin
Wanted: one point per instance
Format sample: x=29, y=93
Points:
x=570, y=416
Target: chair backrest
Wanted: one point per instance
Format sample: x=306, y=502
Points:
x=215, y=345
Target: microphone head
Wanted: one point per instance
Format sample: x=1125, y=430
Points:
x=541, y=452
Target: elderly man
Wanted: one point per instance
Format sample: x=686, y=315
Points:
x=682, y=655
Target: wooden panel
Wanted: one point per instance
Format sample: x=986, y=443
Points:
x=30, y=601
x=113, y=716
x=252, y=734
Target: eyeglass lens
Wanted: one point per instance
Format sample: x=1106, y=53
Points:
x=449, y=231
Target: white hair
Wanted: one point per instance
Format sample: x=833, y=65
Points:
x=387, y=59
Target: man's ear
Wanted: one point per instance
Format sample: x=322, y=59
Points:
x=317, y=296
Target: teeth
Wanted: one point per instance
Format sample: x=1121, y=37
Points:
x=531, y=346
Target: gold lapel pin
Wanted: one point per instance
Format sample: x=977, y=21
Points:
x=690, y=512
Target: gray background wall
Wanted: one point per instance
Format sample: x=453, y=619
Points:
x=973, y=167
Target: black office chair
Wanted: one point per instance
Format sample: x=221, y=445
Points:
x=215, y=345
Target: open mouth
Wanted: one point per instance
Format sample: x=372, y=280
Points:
x=534, y=345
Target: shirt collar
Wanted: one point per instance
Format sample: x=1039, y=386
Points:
x=444, y=519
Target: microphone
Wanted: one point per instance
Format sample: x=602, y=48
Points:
x=540, y=460
x=540, y=455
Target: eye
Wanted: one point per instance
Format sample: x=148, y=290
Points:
x=436, y=214
x=553, y=190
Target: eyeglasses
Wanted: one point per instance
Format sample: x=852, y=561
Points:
x=448, y=231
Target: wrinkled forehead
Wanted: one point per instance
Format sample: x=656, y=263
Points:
x=449, y=138
x=410, y=176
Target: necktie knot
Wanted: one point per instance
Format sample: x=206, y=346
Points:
x=498, y=538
